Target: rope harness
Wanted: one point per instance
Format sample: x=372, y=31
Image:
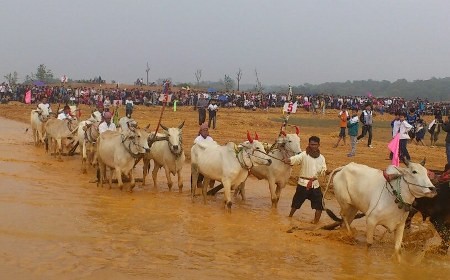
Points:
x=128, y=148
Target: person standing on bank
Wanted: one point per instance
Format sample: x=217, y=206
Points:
x=446, y=128
x=343, y=118
x=212, y=110
x=312, y=165
x=367, y=120
x=404, y=129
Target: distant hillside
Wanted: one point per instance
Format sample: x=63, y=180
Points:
x=434, y=89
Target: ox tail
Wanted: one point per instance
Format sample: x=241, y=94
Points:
x=333, y=216
x=328, y=184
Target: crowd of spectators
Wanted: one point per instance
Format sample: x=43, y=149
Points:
x=316, y=103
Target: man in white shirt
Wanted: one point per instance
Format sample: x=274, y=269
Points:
x=65, y=114
x=312, y=165
x=203, y=134
x=44, y=107
x=212, y=109
x=106, y=124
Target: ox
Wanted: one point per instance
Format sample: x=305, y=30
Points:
x=438, y=209
x=166, y=151
x=229, y=164
x=87, y=136
x=278, y=173
x=37, y=121
x=385, y=200
x=57, y=130
x=119, y=151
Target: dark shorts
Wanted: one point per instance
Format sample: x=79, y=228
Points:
x=302, y=193
x=342, y=132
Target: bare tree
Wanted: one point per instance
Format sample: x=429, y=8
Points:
x=198, y=76
x=147, y=70
x=259, y=87
x=238, y=78
x=228, y=83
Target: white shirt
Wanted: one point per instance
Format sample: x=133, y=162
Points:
x=212, y=107
x=104, y=127
x=63, y=116
x=201, y=139
x=396, y=127
x=405, y=127
x=310, y=167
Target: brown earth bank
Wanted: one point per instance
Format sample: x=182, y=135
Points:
x=58, y=225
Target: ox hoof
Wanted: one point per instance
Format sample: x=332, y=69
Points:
x=228, y=204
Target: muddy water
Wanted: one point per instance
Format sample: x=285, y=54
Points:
x=57, y=225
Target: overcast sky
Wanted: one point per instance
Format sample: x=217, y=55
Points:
x=287, y=41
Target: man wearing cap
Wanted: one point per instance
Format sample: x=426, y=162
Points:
x=203, y=134
x=65, y=114
x=106, y=124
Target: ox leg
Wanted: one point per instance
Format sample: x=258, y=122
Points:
x=280, y=186
x=371, y=224
x=273, y=194
x=100, y=173
x=194, y=181
x=83, y=157
x=156, y=167
x=34, y=136
x=59, y=147
x=119, y=177
x=180, y=181
x=348, y=215
x=111, y=172
x=227, y=196
x=398, y=237
x=145, y=169
x=132, y=180
x=205, y=185
x=168, y=177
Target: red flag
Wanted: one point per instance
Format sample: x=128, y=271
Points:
x=394, y=146
x=28, y=97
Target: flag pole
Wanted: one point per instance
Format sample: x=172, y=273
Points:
x=289, y=110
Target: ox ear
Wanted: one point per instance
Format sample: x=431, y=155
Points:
x=163, y=127
x=423, y=161
x=181, y=125
x=256, y=136
x=249, y=137
x=297, y=130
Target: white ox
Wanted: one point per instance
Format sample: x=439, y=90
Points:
x=278, y=173
x=384, y=201
x=166, y=150
x=57, y=130
x=87, y=136
x=228, y=164
x=37, y=121
x=119, y=151
x=126, y=124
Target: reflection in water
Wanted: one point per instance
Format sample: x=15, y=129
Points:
x=55, y=224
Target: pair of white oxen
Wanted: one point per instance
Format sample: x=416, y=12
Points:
x=116, y=150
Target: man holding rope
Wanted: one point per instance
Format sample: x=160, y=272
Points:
x=312, y=165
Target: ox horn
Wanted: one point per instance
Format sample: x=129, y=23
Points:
x=163, y=127
x=297, y=130
x=181, y=125
x=256, y=136
x=406, y=161
x=249, y=137
x=423, y=161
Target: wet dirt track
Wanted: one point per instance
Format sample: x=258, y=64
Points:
x=57, y=225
